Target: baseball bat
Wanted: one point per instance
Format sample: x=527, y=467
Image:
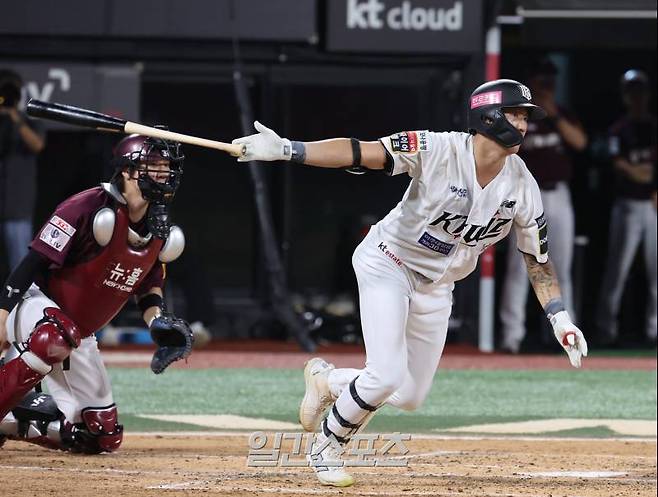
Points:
x=102, y=122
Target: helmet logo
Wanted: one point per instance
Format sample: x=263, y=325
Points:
x=488, y=98
x=525, y=92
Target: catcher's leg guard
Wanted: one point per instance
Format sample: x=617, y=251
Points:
x=50, y=343
x=36, y=419
x=98, y=432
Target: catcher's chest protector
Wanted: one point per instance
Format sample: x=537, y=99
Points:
x=92, y=293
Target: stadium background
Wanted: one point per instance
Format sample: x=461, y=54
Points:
x=173, y=62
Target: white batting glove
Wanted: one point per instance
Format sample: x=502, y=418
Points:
x=265, y=145
x=570, y=337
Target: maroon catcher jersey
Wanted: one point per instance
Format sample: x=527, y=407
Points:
x=89, y=282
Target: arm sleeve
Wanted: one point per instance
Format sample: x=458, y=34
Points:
x=407, y=151
x=32, y=265
x=530, y=223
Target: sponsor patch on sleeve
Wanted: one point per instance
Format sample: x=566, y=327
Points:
x=435, y=244
x=57, y=233
x=543, y=239
x=410, y=142
x=54, y=237
x=541, y=220
x=58, y=222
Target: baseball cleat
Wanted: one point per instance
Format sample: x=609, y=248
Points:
x=325, y=459
x=317, y=398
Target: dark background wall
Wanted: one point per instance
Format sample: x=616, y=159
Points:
x=305, y=91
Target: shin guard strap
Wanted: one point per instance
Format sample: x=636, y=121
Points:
x=360, y=402
x=36, y=363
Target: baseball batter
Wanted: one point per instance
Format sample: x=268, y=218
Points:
x=98, y=249
x=467, y=191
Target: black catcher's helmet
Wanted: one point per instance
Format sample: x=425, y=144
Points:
x=138, y=152
x=486, y=114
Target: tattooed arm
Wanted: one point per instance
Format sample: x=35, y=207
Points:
x=543, y=280
x=544, y=283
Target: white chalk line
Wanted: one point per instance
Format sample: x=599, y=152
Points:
x=305, y=472
x=321, y=491
x=414, y=436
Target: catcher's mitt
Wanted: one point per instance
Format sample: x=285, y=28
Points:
x=174, y=339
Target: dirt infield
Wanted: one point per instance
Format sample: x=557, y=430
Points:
x=258, y=359
x=217, y=465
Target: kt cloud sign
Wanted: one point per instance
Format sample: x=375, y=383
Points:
x=408, y=26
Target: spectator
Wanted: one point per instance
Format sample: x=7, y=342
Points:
x=632, y=147
x=546, y=151
x=20, y=143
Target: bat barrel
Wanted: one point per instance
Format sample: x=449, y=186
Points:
x=74, y=115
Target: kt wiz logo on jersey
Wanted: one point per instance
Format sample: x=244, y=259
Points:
x=455, y=225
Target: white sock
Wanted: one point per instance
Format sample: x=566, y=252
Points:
x=339, y=379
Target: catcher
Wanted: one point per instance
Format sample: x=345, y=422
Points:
x=98, y=249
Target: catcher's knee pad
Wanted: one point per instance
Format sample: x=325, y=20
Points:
x=51, y=341
x=98, y=432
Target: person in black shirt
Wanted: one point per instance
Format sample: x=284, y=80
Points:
x=20, y=143
x=632, y=147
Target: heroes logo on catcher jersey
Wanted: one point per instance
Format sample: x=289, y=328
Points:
x=410, y=142
x=57, y=233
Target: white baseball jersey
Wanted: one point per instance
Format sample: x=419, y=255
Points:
x=446, y=219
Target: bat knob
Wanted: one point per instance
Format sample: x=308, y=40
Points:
x=243, y=150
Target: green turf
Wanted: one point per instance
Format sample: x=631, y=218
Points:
x=457, y=398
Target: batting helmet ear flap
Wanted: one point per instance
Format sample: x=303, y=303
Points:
x=486, y=113
x=500, y=127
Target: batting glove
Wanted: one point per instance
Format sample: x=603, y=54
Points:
x=265, y=145
x=570, y=337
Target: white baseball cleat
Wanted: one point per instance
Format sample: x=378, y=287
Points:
x=317, y=398
x=325, y=459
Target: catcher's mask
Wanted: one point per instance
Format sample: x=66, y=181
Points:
x=159, y=165
x=486, y=110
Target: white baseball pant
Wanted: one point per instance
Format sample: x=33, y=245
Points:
x=85, y=383
x=404, y=319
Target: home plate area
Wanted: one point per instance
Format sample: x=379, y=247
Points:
x=213, y=463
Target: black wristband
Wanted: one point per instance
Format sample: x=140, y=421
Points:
x=356, y=152
x=150, y=300
x=553, y=307
x=298, y=150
